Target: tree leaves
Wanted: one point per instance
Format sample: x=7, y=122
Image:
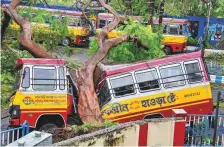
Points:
x=132, y=51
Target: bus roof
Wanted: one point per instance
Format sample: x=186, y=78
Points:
x=122, y=68
x=139, y=18
x=171, y=20
x=21, y=61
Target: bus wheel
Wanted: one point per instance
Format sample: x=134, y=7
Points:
x=168, y=50
x=48, y=127
x=65, y=42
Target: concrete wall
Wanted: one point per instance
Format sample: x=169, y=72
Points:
x=157, y=132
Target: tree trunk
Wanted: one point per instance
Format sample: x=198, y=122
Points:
x=88, y=103
x=205, y=39
x=5, y=25
x=151, y=11
x=161, y=11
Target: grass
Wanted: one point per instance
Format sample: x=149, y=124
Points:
x=221, y=104
x=89, y=127
x=219, y=58
x=214, y=85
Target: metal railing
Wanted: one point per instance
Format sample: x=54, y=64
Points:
x=11, y=135
x=200, y=130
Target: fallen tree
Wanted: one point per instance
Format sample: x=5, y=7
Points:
x=88, y=105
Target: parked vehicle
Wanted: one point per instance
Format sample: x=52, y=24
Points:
x=175, y=31
x=78, y=28
x=46, y=95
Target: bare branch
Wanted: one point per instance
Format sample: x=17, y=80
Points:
x=116, y=20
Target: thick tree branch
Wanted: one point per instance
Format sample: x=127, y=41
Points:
x=115, y=41
x=7, y=18
x=5, y=25
x=25, y=38
x=116, y=20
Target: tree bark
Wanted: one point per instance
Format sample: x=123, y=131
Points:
x=161, y=11
x=151, y=11
x=5, y=25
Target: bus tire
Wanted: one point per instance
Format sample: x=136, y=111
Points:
x=65, y=42
x=168, y=50
x=47, y=127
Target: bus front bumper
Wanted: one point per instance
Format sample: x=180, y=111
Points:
x=14, y=122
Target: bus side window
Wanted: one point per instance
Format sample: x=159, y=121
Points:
x=102, y=23
x=123, y=85
x=173, y=30
x=181, y=32
x=165, y=29
x=147, y=80
x=194, y=73
x=26, y=78
x=61, y=78
x=172, y=76
x=104, y=95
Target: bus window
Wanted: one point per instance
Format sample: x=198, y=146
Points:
x=181, y=32
x=102, y=23
x=147, y=80
x=104, y=95
x=44, y=78
x=186, y=30
x=172, y=76
x=26, y=78
x=61, y=78
x=165, y=29
x=123, y=85
x=193, y=71
x=173, y=30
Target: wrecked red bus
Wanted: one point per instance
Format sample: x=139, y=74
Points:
x=153, y=88
x=47, y=97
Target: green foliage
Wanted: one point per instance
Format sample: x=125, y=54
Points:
x=73, y=64
x=221, y=104
x=131, y=51
x=219, y=58
x=192, y=41
x=8, y=74
x=172, y=7
x=214, y=85
x=89, y=127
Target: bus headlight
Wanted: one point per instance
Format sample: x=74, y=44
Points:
x=14, y=111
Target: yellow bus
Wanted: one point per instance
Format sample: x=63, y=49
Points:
x=78, y=28
x=175, y=31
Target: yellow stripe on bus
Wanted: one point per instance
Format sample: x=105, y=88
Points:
x=159, y=110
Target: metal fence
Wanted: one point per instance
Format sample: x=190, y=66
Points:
x=8, y=136
x=200, y=130
x=215, y=68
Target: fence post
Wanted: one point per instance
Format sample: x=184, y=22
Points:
x=216, y=118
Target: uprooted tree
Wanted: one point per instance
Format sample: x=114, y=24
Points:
x=88, y=105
